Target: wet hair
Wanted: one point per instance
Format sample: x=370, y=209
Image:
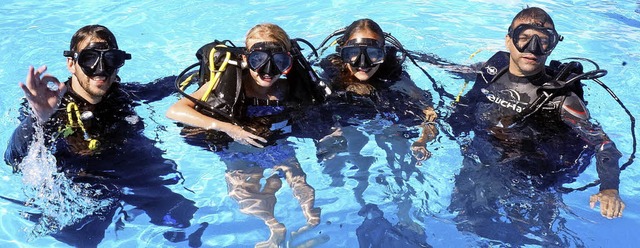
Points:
x=535, y=14
x=269, y=31
x=93, y=31
x=362, y=25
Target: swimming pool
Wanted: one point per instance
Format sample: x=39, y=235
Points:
x=163, y=36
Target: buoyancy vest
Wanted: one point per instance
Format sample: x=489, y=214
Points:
x=222, y=64
x=561, y=83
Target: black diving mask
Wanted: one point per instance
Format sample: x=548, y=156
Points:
x=363, y=53
x=97, y=59
x=534, y=39
x=269, y=58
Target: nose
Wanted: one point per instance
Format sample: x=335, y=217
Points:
x=535, y=46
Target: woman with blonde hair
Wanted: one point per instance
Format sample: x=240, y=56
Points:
x=252, y=107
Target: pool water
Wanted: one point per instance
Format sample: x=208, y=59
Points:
x=163, y=36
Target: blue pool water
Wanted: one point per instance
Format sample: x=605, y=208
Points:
x=163, y=36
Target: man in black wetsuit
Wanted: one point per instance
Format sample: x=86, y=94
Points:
x=96, y=137
x=528, y=125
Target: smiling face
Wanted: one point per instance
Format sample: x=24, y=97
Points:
x=364, y=74
x=267, y=35
x=91, y=88
x=262, y=79
x=525, y=63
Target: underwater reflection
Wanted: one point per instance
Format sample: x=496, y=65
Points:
x=506, y=206
x=255, y=175
x=76, y=193
x=77, y=205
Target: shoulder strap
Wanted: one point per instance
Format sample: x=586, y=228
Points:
x=494, y=67
x=306, y=86
x=218, y=64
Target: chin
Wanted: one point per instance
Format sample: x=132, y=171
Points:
x=362, y=76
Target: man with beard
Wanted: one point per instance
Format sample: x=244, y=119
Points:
x=92, y=129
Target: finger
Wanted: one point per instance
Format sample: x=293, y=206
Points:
x=41, y=70
x=612, y=211
x=427, y=155
x=420, y=153
x=62, y=89
x=615, y=210
x=30, y=77
x=254, y=143
x=36, y=75
x=604, y=207
x=622, y=206
x=592, y=201
x=27, y=92
x=256, y=137
x=46, y=78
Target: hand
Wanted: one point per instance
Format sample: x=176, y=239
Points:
x=42, y=99
x=430, y=114
x=246, y=138
x=419, y=151
x=329, y=146
x=611, y=206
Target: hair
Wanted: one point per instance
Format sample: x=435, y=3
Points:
x=93, y=31
x=362, y=25
x=269, y=31
x=535, y=14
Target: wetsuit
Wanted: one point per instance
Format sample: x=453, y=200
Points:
x=124, y=158
x=548, y=140
x=395, y=98
x=513, y=155
x=271, y=122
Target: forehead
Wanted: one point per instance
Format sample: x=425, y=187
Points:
x=254, y=40
x=84, y=43
x=365, y=33
x=531, y=21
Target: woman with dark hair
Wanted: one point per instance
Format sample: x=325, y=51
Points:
x=365, y=66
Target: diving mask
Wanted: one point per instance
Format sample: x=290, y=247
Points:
x=363, y=52
x=534, y=39
x=269, y=58
x=97, y=59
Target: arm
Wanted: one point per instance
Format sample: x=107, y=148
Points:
x=184, y=111
x=43, y=102
x=19, y=142
x=575, y=114
x=429, y=133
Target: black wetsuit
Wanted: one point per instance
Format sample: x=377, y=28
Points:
x=395, y=98
x=547, y=141
x=124, y=158
x=515, y=155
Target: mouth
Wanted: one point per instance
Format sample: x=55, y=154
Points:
x=266, y=77
x=365, y=70
x=530, y=58
x=100, y=81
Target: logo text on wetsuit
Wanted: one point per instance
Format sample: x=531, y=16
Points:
x=507, y=99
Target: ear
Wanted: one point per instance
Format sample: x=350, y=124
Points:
x=70, y=66
x=244, y=63
x=507, y=41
